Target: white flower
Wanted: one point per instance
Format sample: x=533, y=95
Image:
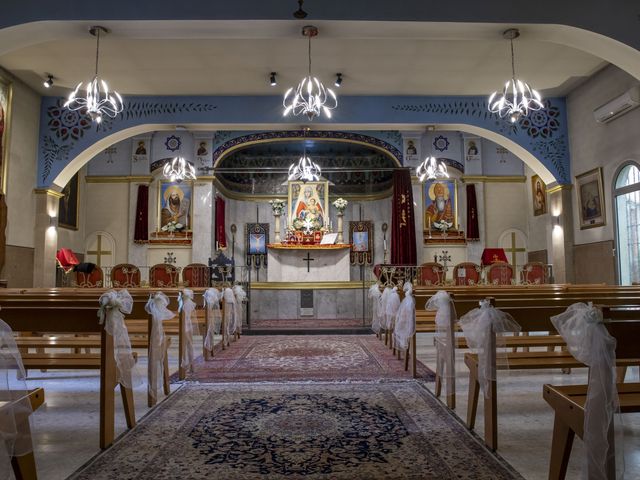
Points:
x=340, y=204
x=277, y=206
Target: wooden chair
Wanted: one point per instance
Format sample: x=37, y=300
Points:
x=500, y=273
x=431, y=273
x=534, y=273
x=125, y=275
x=163, y=275
x=95, y=279
x=195, y=275
x=466, y=273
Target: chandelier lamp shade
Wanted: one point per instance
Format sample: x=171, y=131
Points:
x=178, y=170
x=96, y=99
x=310, y=97
x=431, y=169
x=517, y=98
x=305, y=170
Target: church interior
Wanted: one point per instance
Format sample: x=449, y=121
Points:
x=302, y=239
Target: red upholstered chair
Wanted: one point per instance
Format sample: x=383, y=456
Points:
x=163, y=275
x=95, y=279
x=125, y=275
x=431, y=273
x=195, y=275
x=534, y=273
x=466, y=273
x=500, y=273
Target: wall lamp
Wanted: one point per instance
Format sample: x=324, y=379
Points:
x=272, y=79
x=48, y=83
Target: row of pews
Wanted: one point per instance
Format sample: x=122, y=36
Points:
x=537, y=346
x=60, y=328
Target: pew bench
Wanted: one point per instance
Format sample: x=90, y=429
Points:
x=24, y=466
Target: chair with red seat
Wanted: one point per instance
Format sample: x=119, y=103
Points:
x=534, y=273
x=195, y=275
x=432, y=273
x=500, y=273
x=467, y=273
x=163, y=275
x=95, y=279
x=125, y=275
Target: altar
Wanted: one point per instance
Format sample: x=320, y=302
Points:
x=308, y=263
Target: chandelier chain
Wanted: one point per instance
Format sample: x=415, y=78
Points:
x=97, y=48
x=309, y=55
x=513, y=62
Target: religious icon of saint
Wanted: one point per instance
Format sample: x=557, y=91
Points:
x=202, y=149
x=175, y=207
x=472, y=149
x=360, y=241
x=591, y=201
x=141, y=149
x=440, y=209
x=539, y=198
x=411, y=148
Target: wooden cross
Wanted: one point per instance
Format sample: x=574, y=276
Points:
x=308, y=260
x=99, y=252
x=514, y=250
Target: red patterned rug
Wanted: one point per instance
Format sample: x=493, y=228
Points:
x=303, y=357
x=302, y=323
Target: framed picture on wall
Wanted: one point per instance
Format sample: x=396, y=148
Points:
x=174, y=204
x=361, y=240
x=539, y=195
x=591, y=199
x=5, y=121
x=440, y=204
x=68, y=205
x=256, y=241
x=308, y=202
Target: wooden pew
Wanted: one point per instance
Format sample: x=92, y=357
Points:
x=568, y=401
x=24, y=466
x=73, y=317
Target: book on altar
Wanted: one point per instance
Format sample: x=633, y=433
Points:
x=329, y=239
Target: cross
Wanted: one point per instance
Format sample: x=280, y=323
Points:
x=444, y=258
x=308, y=260
x=99, y=252
x=514, y=251
x=170, y=258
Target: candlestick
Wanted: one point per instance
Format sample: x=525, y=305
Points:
x=429, y=225
x=384, y=242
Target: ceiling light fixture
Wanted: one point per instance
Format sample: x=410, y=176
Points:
x=48, y=83
x=272, y=79
x=300, y=13
x=178, y=170
x=338, y=82
x=432, y=169
x=97, y=100
x=305, y=170
x=517, y=98
x=310, y=97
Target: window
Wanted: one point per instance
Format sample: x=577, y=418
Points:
x=627, y=205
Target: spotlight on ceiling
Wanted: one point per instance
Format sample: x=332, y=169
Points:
x=338, y=81
x=48, y=83
x=272, y=79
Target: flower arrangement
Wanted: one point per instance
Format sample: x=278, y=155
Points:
x=172, y=226
x=442, y=225
x=277, y=206
x=341, y=205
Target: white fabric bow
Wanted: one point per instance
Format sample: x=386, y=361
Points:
x=588, y=340
x=382, y=312
x=15, y=431
x=405, y=319
x=157, y=308
x=445, y=337
x=374, y=296
x=391, y=309
x=188, y=306
x=479, y=327
x=229, y=311
x=113, y=306
x=212, y=297
x=241, y=296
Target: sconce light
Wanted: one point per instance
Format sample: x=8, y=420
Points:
x=52, y=221
x=556, y=221
x=272, y=79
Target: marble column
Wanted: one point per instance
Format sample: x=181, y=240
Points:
x=202, y=224
x=46, y=238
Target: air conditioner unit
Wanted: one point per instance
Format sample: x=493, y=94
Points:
x=618, y=106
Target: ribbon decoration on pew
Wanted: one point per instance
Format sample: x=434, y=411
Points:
x=375, y=296
x=405, y=319
x=113, y=306
x=445, y=337
x=229, y=299
x=482, y=328
x=384, y=299
x=241, y=296
x=212, y=297
x=157, y=308
x=15, y=431
x=391, y=309
x=188, y=306
x=588, y=340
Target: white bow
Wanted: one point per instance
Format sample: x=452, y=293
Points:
x=405, y=318
x=230, y=311
x=157, y=308
x=391, y=308
x=241, y=296
x=187, y=305
x=374, y=296
x=445, y=336
x=212, y=297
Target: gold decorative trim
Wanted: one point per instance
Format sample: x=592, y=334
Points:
x=48, y=191
x=492, y=179
x=123, y=179
x=309, y=285
x=557, y=188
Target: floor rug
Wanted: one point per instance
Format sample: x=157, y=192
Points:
x=295, y=430
x=300, y=357
x=301, y=323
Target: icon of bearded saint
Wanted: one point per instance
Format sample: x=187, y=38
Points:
x=175, y=207
x=439, y=209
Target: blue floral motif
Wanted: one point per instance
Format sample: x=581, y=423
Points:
x=441, y=143
x=173, y=143
x=542, y=123
x=67, y=123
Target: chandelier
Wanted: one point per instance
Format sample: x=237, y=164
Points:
x=431, y=169
x=310, y=97
x=97, y=100
x=178, y=170
x=517, y=98
x=305, y=170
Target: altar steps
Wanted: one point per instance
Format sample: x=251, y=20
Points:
x=308, y=326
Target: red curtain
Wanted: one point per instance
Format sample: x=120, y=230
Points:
x=403, y=231
x=141, y=231
x=221, y=237
x=473, y=232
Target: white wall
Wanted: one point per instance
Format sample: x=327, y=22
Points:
x=537, y=227
x=504, y=204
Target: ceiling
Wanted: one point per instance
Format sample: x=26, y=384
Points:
x=235, y=57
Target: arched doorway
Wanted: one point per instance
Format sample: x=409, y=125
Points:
x=626, y=196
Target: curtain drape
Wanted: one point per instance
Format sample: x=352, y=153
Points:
x=221, y=237
x=141, y=231
x=473, y=231
x=403, y=232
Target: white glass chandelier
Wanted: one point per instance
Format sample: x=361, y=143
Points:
x=178, y=170
x=305, y=170
x=311, y=97
x=517, y=98
x=97, y=100
x=431, y=169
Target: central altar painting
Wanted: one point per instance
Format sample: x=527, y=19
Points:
x=308, y=206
